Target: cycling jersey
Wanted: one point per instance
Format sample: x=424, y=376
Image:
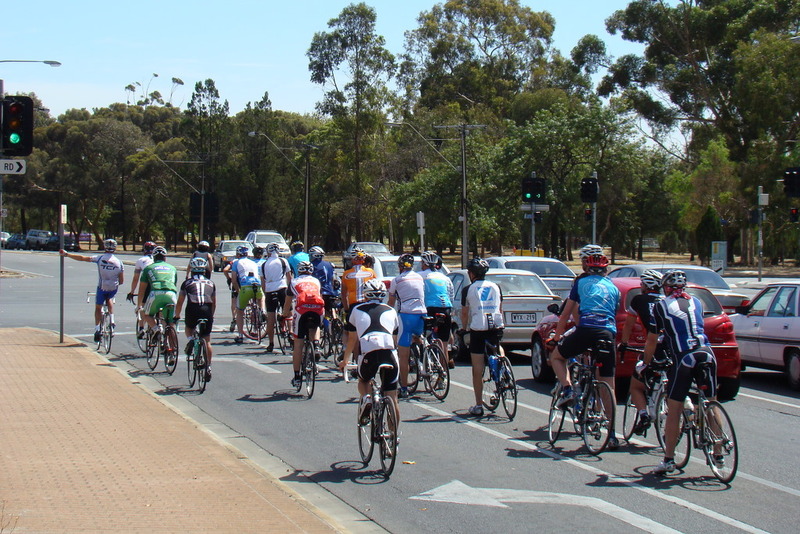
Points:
x=246, y=272
x=408, y=289
x=108, y=269
x=160, y=276
x=642, y=307
x=323, y=271
x=307, y=296
x=375, y=324
x=439, y=292
x=273, y=273
x=295, y=259
x=352, y=284
x=483, y=298
x=198, y=290
x=597, y=299
x=142, y=262
x=206, y=256
x=681, y=320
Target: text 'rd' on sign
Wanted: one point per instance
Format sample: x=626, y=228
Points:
x=12, y=166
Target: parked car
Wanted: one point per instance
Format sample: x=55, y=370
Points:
x=16, y=241
x=225, y=252
x=37, y=239
x=525, y=301
x=3, y=238
x=262, y=238
x=556, y=275
x=70, y=243
x=718, y=328
x=695, y=274
x=768, y=330
x=373, y=248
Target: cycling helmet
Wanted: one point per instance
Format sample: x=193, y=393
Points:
x=431, y=259
x=675, y=279
x=591, y=250
x=305, y=267
x=297, y=246
x=373, y=289
x=405, y=261
x=242, y=251
x=651, y=279
x=596, y=262
x=203, y=246
x=198, y=265
x=148, y=247
x=273, y=247
x=316, y=252
x=478, y=266
x=258, y=252
x=358, y=256
x=110, y=245
x=160, y=252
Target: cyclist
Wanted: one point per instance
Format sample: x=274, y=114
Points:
x=408, y=297
x=298, y=254
x=203, y=251
x=641, y=308
x=274, y=272
x=158, y=288
x=679, y=317
x=482, y=315
x=200, y=295
x=141, y=263
x=111, y=275
x=439, y=296
x=246, y=281
x=594, y=299
x=353, y=280
x=375, y=325
x=325, y=273
x=309, y=306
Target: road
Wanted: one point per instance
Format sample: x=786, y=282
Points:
x=458, y=474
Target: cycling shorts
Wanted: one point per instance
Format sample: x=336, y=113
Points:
x=249, y=292
x=410, y=324
x=301, y=324
x=161, y=299
x=194, y=313
x=443, y=325
x=347, y=326
x=368, y=367
x=332, y=302
x=478, y=339
x=691, y=367
x=100, y=296
x=578, y=340
x=275, y=299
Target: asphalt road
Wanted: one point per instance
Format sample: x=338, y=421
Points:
x=458, y=474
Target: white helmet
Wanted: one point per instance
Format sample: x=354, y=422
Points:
x=591, y=250
x=374, y=289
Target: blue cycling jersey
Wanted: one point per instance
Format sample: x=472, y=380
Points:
x=597, y=299
x=323, y=271
x=439, y=291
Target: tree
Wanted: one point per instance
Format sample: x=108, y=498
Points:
x=708, y=230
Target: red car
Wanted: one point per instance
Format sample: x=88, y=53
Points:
x=718, y=329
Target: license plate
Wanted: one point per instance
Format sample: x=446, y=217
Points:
x=523, y=317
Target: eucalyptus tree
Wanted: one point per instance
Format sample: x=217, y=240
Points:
x=354, y=66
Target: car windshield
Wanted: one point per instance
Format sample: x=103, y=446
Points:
x=542, y=268
x=233, y=245
x=518, y=284
x=374, y=248
x=269, y=237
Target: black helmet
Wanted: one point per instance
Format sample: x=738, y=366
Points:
x=478, y=266
x=405, y=261
x=298, y=246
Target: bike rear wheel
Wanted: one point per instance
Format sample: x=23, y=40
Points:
x=490, y=396
x=597, y=426
x=191, y=366
x=507, y=387
x=106, y=333
x=719, y=442
x=365, y=433
x=388, y=436
x=414, y=364
x=309, y=368
x=141, y=341
x=201, y=365
x=335, y=343
x=630, y=417
x=683, y=448
x=661, y=417
x=556, y=417
x=153, y=349
x=170, y=348
x=438, y=379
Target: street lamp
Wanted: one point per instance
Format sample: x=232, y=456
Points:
x=46, y=62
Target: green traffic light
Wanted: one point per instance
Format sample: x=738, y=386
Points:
x=14, y=138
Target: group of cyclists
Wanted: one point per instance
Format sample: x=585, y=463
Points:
x=379, y=334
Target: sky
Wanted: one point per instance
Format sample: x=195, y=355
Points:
x=248, y=47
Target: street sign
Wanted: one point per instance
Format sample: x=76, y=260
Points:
x=12, y=166
x=536, y=207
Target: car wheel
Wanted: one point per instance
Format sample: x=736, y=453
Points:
x=728, y=387
x=462, y=351
x=540, y=368
x=793, y=369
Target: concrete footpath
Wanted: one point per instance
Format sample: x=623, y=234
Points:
x=85, y=449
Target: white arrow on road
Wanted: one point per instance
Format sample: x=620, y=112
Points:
x=459, y=493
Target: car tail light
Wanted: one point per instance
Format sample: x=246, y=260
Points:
x=722, y=333
x=387, y=283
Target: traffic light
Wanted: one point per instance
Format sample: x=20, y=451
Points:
x=527, y=189
x=17, y=139
x=754, y=216
x=791, y=182
x=793, y=215
x=534, y=190
x=537, y=216
x=587, y=214
x=589, y=189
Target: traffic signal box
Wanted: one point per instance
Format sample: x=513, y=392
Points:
x=791, y=182
x=793, y=215
x=589, y=190
x=17, y=121
x=587, y=214
x=534, y=190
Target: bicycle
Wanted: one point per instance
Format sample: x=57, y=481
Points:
x=106, y=326
x=283, y=331
x=589, y=415
x=706, y=426
x=331, y=339
x=498, y=382
x=197, y=359
x=162, y=341
x=381, y=427
x=656, y=381
x=308, y=367
x=427, y=357
x=141, y=340
x=255, y=324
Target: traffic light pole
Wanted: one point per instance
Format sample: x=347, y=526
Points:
x=594, y=222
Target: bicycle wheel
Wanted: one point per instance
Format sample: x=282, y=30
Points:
x=388, y=436
x=309, y=368
x=201, y=365
x=556, y=417
x=719, y=442
x=661, y=417
x=191, y=365
x=153, y=349
x=365, y=433
x=597, y=425
x=335, y=347
x=106, y=333
x=490, y=396
x=252, y=321
x=683, y=448
x=508, y=388
x=414, y=364
x=438, y=378
x=141, y=341
x=170, y=348
x=630, y=417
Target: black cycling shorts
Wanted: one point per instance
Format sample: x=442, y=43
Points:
x=194, y=313
x=368, y=367
x=443, y=324
x=347, y=326
x=578, y=340
x=478, y=339
x=306, y=322
x=691, y=367
x=275, y=300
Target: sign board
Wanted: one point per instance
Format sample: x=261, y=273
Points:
x=63, y=214
x=537, y=207
x=719, y=256
x=12, y=166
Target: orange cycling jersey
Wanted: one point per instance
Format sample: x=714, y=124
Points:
x=353, y=282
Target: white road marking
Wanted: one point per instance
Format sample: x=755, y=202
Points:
x=764, y=399
x=261, y=367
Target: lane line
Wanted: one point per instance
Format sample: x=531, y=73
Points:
x=765, y=399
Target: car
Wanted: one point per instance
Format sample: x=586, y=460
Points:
x=3, y=238
x=695, y=274
x=16, y=241
x=70, y=243
x=225, y=252
x=386, y=268
x=717, y=324
x=525, y=301
x=373, y=248
x=768, y=330
x=262, y=238
x=37, y=239
x=558, y=277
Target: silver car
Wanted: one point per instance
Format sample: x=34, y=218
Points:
x=558, y=277
x=386, y=268
x=525, y=301
x=226, y=252
x=262, y=238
